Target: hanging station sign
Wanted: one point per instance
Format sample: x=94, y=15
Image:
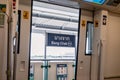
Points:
x=60, y=40
x=96, y=1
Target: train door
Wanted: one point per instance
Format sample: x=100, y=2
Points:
x=54, y=42
x=54, y=39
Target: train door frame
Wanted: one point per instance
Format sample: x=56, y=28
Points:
x=78, y=41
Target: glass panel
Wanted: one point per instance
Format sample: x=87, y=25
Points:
x=18, y=29
x=89, y=38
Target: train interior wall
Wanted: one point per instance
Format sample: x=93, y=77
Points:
x=111, y=61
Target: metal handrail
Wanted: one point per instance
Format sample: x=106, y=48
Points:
x=100, y=45
x=53, y=59
x=15, y=56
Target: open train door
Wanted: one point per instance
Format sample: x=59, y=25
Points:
x=45, y=19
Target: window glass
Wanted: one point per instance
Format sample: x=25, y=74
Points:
x=89, y=38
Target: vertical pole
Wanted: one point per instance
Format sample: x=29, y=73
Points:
x=45, y=45
x=74, y=65
x=15, y=57
x=8, y=72
x=9, y=42
x=9, y=48
x=99, y=59
x=45, y=69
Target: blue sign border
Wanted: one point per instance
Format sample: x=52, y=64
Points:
x=60, y=40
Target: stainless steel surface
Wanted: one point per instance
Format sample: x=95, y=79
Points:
x=100, y=45
x=15, y=56
x=52, y=59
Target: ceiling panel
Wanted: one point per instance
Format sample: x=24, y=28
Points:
x=54, y=17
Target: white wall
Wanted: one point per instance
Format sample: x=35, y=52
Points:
x=83, y=69
x=112, y=59
x=109, y=35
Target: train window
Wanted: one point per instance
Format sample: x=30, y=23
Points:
x=89, y=38
x=18, y=29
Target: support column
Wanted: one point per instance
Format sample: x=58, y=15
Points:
x=99, y=44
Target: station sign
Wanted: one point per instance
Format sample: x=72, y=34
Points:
x=62, y=72
x=60, y=40
x=96, y=1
